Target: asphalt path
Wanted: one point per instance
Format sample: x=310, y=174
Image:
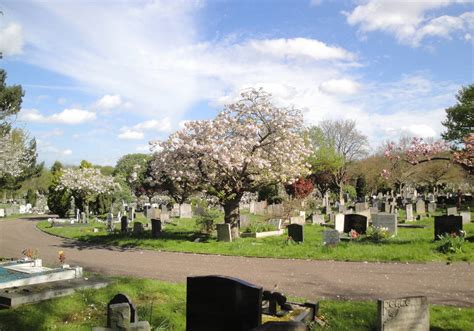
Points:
x=447, y=284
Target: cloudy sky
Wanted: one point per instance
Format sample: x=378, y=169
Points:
x=102, y=78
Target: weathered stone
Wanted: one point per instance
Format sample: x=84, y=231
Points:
x=466, y=217
x=122, y=299
x=420, y=207
x=222, y=303
x=277, y=222
x=383, y=220
x=297, y=220
x=431, y=208
x=317, y=219
x=137, y=228
x=244, y=221
x=330, y=237
x=411, y=313
x=451, y=211
x=409, y=212
x=185, y=211
x=223, y=232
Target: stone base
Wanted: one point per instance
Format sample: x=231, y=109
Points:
x=262, y=234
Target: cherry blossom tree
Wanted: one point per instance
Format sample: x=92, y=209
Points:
x=250, y=143
x=85, y=184
x=14, y=155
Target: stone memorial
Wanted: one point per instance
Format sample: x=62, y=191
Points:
x=156, y=228
x=199, y=211
x=244, y=221
x=431, y=208
x=383, y=220
x=355, y=222
x=2, y=212
x=175, y=210
x=420, y=207
x=297, y=220
x=317, y=219
x=83, y=217
x=296, y=232
x=361, y=206
x=124, y=224
x=185, y=211
x=451, y=211
x=330, y=237
x=447, y=224
x=339, y=222
x=275, y=210
x=341, y=209
x=410, y=313
x=466, y=217
x=121, y=299
x=216, y=303
x=252, y=207
x=165, y=217
x=223, y=232
x=409, y=212
x=276, y=222
x=137, y=228
x=302, y=214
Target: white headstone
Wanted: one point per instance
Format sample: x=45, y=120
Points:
x=2, y=212
x=466, y=217
x=339, y=222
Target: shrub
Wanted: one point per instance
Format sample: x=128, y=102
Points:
x=59, y=201
x=450, y=243
x=260, y=227
x=31, y=197
x=377, y=234
x=206, y=221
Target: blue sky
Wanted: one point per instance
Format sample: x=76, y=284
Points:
x=102, y=78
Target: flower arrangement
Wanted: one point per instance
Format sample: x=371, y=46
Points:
x=30, y=254
x=354, y=234
x=62, y=257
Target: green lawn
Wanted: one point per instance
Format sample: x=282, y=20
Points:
x=163, y=305
x=409, y=245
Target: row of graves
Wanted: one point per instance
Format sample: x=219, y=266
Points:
x=20, y=207
x=216, y=303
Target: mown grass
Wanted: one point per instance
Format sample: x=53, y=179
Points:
x=163, y=305
x=410, y=245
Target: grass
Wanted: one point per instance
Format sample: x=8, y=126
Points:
x=410, y=245
x=18, y=216
x=163, y=305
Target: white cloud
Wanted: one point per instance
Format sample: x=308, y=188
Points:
x=67, y=152
x=11, y=39
x=163, y=125
x=130, y=135
x=339, y=86
x=109, y=101
x=408, y=21
x=67, y=116
x=420, y=130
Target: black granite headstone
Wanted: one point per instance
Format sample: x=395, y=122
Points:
x=156, y=228
x=122, y=298
x=355, y=222
x=295, y=231
x=447, y=224
x=215, y=303
x=123, y=226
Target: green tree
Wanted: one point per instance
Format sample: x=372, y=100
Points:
x=10, y=102
x=59, y=200
x=361, y=186
x=460, y=117
x=31, y=197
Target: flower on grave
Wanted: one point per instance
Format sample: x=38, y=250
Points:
x=62, y=257
x=30, y=254
x=353, y=234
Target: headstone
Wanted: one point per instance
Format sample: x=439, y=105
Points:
x=431, y=208
x=83, y=217
x=199, y=211
x=388, y=221
x=451, y=211
x=297, y=220
x=120, y=299
x=373, y=210
x=110, y=222
x=295, y=231
x=276, y=222
x=185, y=211
x=420, y=207
x=386, y=207
x=132, y=214
x=447, y=224
x=303, y=214
x=22, y=209
x=341, y=209
x=223, y=232
x=330, y=237
x=215, y=303
x=317, y=219
x=2, y=212
x=409, y=212
x=156, y=228
x=410, y=313
x=137, y=228
x=355, y=222
x=361, y=206
x=252, y=207
x=153, y=213
x=123, y=224
x=175, y=210
x=164, y=216
x=339, y=222
x=244, y=221
x=466, y=217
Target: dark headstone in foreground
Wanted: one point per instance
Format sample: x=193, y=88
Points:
x=410, y=313
x=156, y=228
x=216, y=303
x=295, y=231
x=355, y=222
x=447, y=224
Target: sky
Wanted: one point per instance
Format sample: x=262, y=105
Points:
x=103, y=78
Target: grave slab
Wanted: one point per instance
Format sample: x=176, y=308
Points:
x=409, y=313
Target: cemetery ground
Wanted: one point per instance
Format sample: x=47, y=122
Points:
x=410, y=245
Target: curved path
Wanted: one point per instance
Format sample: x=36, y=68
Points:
x=443, y=284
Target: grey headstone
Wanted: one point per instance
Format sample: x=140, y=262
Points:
x=185, y=211
x=410, y=313
x=361, y=206
x=409, y=212
x=466, y=217
x=451, y=211
x=330, y=237
x=431, y=208
x=215, y=303
x=317, y=219
x=199, y=211
x=244, y=221
x=122, y=299
x=388, y=221
x=165, y=216
x=276, y=222
x=447, y=224
x=296, y=232
x=420, y=207
x=297, y=220
x=223, y=232
x=373, y=210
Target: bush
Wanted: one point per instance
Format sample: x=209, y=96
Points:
x=450, y=243
x=206, y=221
x=377, y=234
x=31, y=197
x=59, y=201
x=260, y=227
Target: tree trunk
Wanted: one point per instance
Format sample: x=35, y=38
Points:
x=231, y=215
